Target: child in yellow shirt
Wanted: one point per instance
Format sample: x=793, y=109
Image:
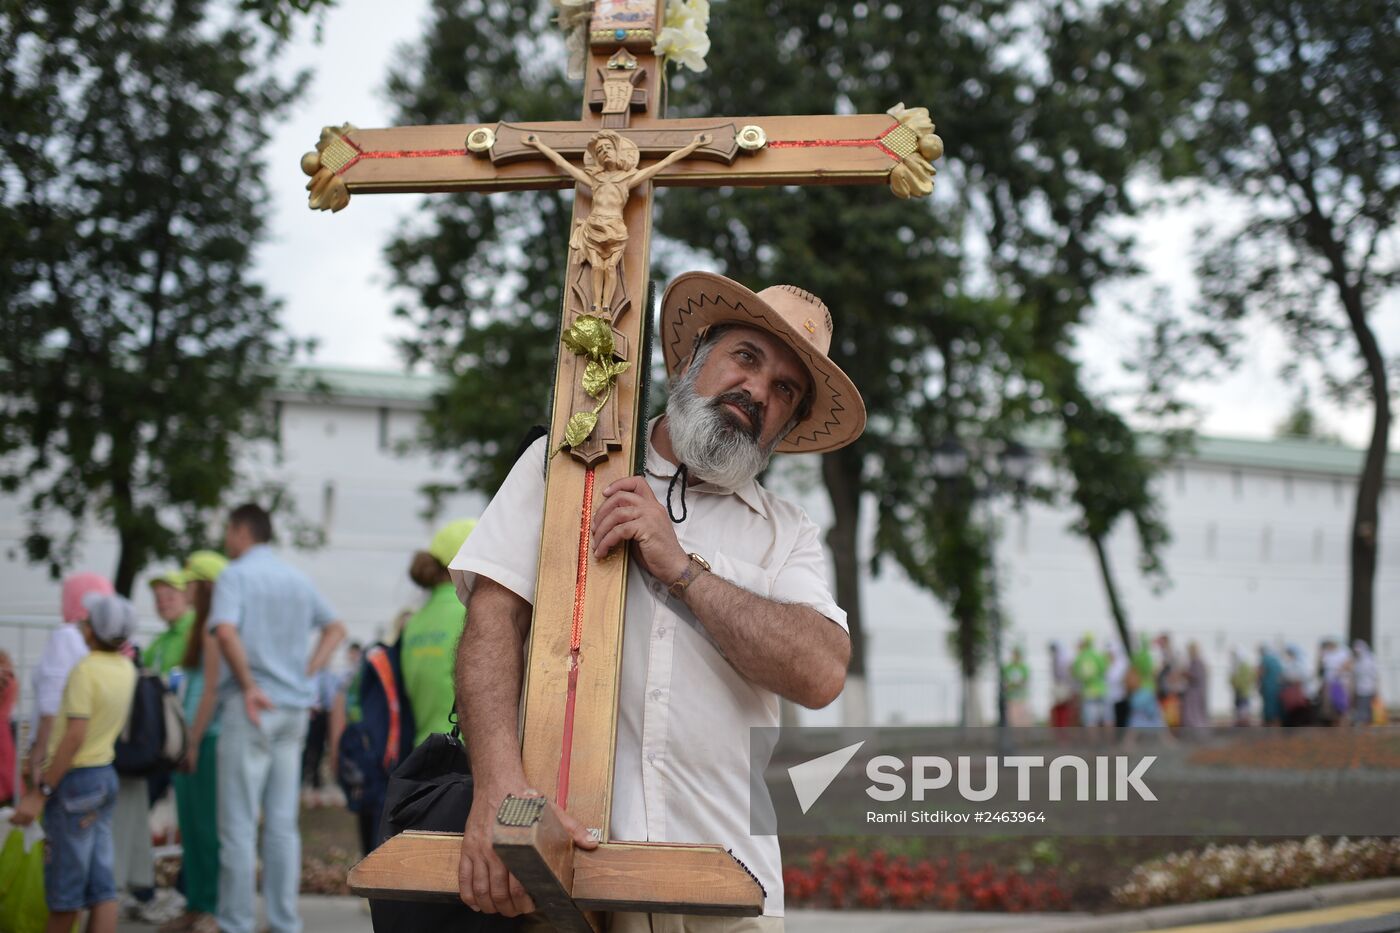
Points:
x=78, y=788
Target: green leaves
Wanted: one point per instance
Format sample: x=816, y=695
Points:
x=484, y=276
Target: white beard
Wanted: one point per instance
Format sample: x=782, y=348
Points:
x=712, y=447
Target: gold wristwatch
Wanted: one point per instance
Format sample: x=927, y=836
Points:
x=697, y=566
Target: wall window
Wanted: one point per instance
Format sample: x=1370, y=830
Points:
x=383, y=429
x=1237, y=483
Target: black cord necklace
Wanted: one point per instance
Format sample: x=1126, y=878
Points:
x=682, y=476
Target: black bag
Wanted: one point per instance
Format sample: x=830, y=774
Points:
x=431, y=790
x=154, y=738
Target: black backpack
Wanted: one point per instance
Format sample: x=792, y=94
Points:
x=155, y=738
x=431, y=790
x=379, y=729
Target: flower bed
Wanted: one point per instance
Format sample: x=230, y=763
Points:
x=1237, y=870
x=878, y=880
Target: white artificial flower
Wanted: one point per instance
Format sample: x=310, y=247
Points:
x=685, y=37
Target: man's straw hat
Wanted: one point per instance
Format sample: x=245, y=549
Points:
x=696, y=301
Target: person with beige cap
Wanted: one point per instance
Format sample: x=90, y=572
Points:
x=728, y=604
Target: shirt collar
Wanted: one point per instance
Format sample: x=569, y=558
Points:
x=661, y=468
x=257, y=550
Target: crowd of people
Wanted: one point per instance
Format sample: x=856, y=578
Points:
x=1100, y=686
x=247, y=650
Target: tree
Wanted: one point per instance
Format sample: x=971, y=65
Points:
x=1041, y=151
x=1295, y=113
x=485, y=272
x=940, y=344
x=135, y=351
x=1101, y=98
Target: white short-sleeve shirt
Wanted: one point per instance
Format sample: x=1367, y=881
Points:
x=682, y=762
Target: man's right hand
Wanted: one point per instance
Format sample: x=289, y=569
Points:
x=482, y=879
x=254, y=703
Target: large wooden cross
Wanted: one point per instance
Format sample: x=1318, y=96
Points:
x=570, y=693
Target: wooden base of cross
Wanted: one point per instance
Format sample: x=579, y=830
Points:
x=570, y=886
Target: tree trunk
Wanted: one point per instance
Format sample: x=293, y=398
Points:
x=1365, y=525
x=970, y=713
x=128, y=564
x=131, y=552
x=841, y=473
x=1110, y=589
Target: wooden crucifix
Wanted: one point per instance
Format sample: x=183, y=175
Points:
x=571, y=681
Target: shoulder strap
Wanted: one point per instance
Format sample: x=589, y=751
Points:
x=378, y=658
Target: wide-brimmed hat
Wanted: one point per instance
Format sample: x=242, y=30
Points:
x=696, y=301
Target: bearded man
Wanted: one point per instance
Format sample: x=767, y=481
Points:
x=728, y=605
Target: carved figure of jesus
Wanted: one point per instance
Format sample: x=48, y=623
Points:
x=610, y=173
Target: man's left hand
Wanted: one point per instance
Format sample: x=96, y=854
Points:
x=631, y=512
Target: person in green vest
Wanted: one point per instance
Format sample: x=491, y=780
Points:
x=1090, y=670
x=164, y=652
x=428, y=645
x=1017, y=677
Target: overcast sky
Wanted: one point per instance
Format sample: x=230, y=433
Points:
x=329, y=268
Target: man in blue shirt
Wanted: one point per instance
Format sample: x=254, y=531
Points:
x=263, y=615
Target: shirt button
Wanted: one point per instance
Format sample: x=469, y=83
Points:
x=656, y=694
x=661, y=632
x=651, y=758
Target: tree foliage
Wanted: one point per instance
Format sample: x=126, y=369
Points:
x=1041, y=150
x=135, y=351
x=485, y=272
x=955, y=318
